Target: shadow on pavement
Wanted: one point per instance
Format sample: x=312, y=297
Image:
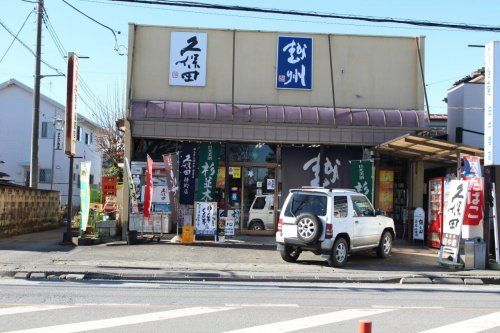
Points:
x=44, y=241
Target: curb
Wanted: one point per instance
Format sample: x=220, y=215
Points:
x=216, y=277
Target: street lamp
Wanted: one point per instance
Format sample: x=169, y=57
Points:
x=58, y=126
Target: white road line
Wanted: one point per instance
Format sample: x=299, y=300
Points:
x=30, y=308
x=263, y=305
x=312, y=321
x=473, y=325
x=123, y=321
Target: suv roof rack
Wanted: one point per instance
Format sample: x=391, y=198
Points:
x=313, y=187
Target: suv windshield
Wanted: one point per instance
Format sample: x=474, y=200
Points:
x=361, y=206
x=306, y=203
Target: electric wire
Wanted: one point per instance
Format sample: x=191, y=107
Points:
x=17, y=34
x=424, y=23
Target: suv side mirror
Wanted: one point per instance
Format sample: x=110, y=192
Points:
x=378, y=212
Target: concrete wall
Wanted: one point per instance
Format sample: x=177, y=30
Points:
x=23, y=210
x=368, y=71
x=16, y=107
x=466, y=110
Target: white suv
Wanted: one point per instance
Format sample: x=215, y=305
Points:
x=332, y=223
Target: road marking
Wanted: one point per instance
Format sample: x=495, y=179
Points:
x=473, y=325
x=312, y=321
x=30, y=308
x=123, y=321
x=276, y=305
x=396, y=307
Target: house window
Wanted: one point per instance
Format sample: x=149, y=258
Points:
x=87, y=138
x=91, y=179
x=45, y=175
x=47, y=130
x=79, y=133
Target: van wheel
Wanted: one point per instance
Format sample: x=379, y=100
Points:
x=308, y=228
x=338, y=257
x=256, y=225
x=289, y=253
x=385, y=246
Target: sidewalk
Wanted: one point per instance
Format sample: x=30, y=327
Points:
x=245, y=259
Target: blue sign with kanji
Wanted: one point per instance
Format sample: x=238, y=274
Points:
x=294, y=63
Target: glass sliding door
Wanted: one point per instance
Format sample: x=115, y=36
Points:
x=258, y=209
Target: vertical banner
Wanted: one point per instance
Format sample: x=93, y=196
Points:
x=188, y=58
x=131, y=188
x=171, y=168
x=386, y=191
x=453, y=217
x=491, y=108
x=205, y=218
x=362, y=177
x=208, y=163
x=148, y=192
x=187, y=164
x=418, y=224
x=473, y=223
x=84, y=194
x=71, y=99
x=294, y=63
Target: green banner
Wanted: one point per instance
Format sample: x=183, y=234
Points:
x=362, y=177
x=208, y=163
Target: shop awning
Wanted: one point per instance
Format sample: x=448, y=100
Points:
x=427, y=149
x=276, y=114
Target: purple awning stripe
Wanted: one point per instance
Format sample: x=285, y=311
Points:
x=278, y=114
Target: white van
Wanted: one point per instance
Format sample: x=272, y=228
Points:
x=261, y=214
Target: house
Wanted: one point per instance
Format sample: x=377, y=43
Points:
x=16, y=112
x=466, y=110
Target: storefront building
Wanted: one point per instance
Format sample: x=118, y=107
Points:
x=280, y=110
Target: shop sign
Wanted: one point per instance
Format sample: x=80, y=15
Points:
x=59, y=140
x=229, y=226
x=71, y=101
x=454, y=216
x=171, y=168
x=206, y=218
x=418, y=224
x=188, y=59
x=294, y=63
x=362, y=177
x=475, y=201
x=148, y=192
x=235, y=172
x=271, y=184
x=208, y=163
x=84, y=194
x=187, y=164
x=491, y=109
x=472, y=166
x=386, y=191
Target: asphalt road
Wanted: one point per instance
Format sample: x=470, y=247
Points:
x=65, y=306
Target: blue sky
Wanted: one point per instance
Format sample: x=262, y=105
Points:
x=447, y=56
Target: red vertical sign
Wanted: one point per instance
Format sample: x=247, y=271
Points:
x=148, y=193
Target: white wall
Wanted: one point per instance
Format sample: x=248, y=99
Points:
x=16, y=105
x=466, y=110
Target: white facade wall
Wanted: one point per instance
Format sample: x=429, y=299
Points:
x=466, y=110
x=16, y=109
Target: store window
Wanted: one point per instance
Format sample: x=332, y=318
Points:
x=154, y=147
x=259, y=153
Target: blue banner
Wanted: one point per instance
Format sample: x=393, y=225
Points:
x=187, y=165
x=294, y=68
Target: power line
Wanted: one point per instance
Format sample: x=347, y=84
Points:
x=424, y=23
x=29, y=49
x=114, y=32
x=17, y=34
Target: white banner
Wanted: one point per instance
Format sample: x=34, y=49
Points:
x=59, y=140
x=454, y=216
x=188, y=59
x=205, y=218
x=491, y=109
x=418, y=224
x=84, y=194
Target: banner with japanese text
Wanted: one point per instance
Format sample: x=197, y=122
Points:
x=208, y=164
x=474, y=209
x=131, y=188
x=454, y=216
x=205, y=218
x=294, y=63
x=84, y=194
x=187, y=164
x=188, y=58
x=171, y=169
x=362, y=177
x=148, y=190
x=386, y=191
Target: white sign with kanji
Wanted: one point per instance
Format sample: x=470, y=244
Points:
x=454, y=217
x=188, y=59
x=418, y=224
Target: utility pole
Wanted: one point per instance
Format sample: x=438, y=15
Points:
x=36, y=101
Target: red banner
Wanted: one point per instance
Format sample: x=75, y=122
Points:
x=475, y=202
x=148, y=192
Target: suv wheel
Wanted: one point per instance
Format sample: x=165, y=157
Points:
x=338, y=257
x=385, y=246
x=290, y=254
x=308, y=228
x=256, y=225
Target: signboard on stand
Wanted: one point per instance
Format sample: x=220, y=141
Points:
x=453, y=219
x=205, y=218
x=418, y=224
